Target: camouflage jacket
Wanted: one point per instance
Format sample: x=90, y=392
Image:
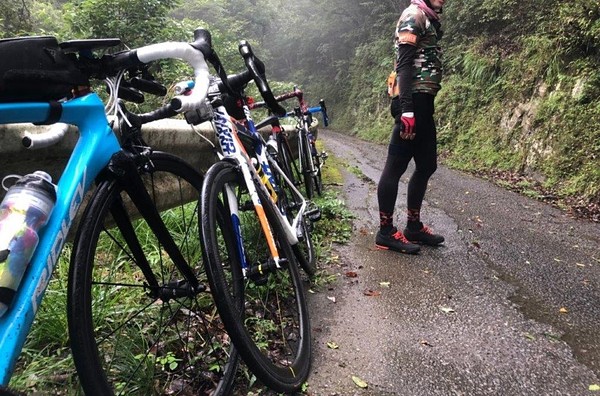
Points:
x=415, y=29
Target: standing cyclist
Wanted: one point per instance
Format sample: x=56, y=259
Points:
x=419, y=72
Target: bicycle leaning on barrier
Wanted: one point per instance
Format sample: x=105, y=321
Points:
x=310, y=161
x=269, y=325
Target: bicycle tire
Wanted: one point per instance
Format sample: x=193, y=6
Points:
x=305, y=159
x=291, y=169
x=167, y=344
x=272, y=330
x=318, y=178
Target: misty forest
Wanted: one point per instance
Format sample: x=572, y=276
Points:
x=521, y=84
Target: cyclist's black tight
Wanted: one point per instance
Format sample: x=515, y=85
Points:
x=424, y=151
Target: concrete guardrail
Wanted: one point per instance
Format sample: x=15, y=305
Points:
x=171, y=135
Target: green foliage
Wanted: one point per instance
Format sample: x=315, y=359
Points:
x=579, y=29
x=15, y=17
x=501, y=56
x=335, y=224
x=135, y=22
x=368, y=104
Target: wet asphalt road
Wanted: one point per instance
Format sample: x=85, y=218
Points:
x=509, y=305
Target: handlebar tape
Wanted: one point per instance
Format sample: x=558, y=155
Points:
x=166, y=111
x=237, y=82
x=257, y=70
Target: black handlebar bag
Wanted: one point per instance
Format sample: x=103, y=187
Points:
x=34, y=69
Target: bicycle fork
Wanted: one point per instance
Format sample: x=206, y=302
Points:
x=124, y=167
x=252, y=180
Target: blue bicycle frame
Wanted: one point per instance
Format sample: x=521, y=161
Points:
x=94, y=148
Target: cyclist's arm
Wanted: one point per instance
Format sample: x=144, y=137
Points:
x=404, y=70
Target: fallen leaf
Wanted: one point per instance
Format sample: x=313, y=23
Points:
x=580, y=265
x=351, y=274
x=563, y=310
x=332, y=345
x=359, y=382
x=384, y=284
x=552, y=337
x=446, y=310
x=529, y=336
x=331, y=298
x=558, y=260
x=425, y=343
x=372, y=293
x=311, y=291
x=594, y=387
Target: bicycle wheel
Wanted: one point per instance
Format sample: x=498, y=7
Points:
x=289, y=203
x=271, y=330
x=287, y=161
x=136, y=326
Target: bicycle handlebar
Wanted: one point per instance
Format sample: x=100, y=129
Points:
x=188, y=53
x=111, y=64
x=52, y=136
x=257, y=71
x=297, y=93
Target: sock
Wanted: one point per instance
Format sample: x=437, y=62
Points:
x=413, y=217
x=386, y=222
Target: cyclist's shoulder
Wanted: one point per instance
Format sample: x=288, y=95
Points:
x=412, y=18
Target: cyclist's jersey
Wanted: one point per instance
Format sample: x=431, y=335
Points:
x=415, y=29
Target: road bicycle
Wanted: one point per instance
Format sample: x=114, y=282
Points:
x=141, y=319
x=310, y=161
x=254, y=275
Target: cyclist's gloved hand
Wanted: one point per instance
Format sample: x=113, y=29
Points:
x=407, y=121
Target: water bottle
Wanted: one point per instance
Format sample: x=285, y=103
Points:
x=23, y=212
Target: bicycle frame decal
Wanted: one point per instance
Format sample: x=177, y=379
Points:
x=224, y=129
x=59, y=242
x=235, y=219
x=95, y=146
x=229, y=141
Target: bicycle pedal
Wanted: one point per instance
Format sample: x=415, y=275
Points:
x=259, y=272
x=246, y=206
x=259, y=279
x=314, y=214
